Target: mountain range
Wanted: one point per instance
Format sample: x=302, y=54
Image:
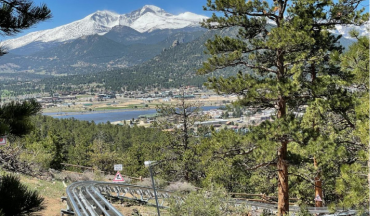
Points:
x=101, y=41
x=106, y=41
x=146, y=19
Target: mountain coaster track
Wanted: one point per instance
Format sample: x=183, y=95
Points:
x=88, y=198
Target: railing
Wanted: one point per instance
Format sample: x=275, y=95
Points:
x=83, y=199
x=89, y=198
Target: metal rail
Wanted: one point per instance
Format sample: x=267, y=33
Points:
x=88, y=199
x=83, y=199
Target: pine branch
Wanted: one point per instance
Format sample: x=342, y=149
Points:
x=305, y=178
x=26, y=16
x=239, y=151
x=258, y=166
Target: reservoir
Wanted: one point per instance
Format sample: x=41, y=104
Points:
x=111, y=116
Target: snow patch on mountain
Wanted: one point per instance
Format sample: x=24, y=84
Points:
x=152, y=8
x=148, y=18
x=344, y=30
x=149, y=22
x=145, y=19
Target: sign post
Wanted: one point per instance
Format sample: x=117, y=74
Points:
x=3, y=140
x=117, y=167
x=118, y=177
x=318, y=198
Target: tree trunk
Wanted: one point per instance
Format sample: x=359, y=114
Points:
x=368, y=176
x=282, y=163
x=282, y=167
x=318, y=182
x=318, y=186
x=283, y=193
x=185, y=137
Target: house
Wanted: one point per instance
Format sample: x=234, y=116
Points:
x=214, y=122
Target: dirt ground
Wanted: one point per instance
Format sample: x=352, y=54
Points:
x=143, y=210
x=53, y=207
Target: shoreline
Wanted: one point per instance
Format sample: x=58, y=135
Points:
x=61, y=113
x=114, y=116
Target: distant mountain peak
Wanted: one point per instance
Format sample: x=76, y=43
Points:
x=104, y=12
x=151, y=8
x=106, y=18
x=345, y=30
x=146, y=19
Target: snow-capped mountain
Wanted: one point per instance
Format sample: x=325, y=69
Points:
x=146, y=19
x=344, y=30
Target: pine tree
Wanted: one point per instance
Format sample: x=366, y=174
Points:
x=352, y=181
x=287, y=44
x=17, y=15
x=15, y=117
x=17, y=199
x=179, y=150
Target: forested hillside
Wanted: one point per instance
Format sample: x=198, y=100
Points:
x=54, y=141
x=173, y=67
x=95, y=53
x=218, y=158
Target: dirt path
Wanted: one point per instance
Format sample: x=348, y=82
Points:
x=53, y=207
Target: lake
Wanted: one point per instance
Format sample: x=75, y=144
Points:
x=111, y=116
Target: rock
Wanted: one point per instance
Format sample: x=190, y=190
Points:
x=175, y=43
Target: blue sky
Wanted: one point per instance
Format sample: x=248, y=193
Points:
x=66, y=11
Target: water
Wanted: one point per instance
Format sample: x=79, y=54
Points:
x=111, y=116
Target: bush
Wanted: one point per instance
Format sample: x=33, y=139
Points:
x=98, y=176
x=17, y=199
x=147, y=182
x=180, y=187
x=206, y=202
x=60, y=176
x=303, y=211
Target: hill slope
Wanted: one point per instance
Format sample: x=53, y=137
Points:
x=173, y=67
x=124, y=47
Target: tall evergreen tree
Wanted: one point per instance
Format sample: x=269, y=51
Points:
x=17, y=15
x=287, y=44
x=352, y=181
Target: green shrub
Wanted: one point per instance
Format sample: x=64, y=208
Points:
x=16, y=199
x=206, y=202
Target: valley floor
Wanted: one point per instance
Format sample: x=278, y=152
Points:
x=83, y=104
